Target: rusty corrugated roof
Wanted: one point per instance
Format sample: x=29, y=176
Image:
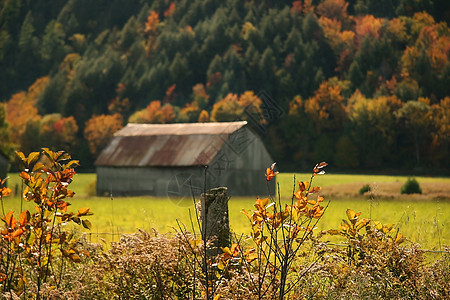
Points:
x=182, y=144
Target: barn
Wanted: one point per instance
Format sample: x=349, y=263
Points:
x=176, y=160
x=4, y=165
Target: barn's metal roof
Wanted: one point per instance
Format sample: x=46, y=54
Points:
x=182, y=144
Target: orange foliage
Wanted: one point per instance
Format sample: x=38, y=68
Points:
x=348, y=38
x=152, y=23
x=150, y=32
x=118, y=105
x=270, y=173
x=326, y=107
x=409, y=59
x=37, y=87
x=391, y=85
x=199, y=91
x=397, y=29
x=308, y=7
x=333, y=9
x=100, y=129
x=441, y=118
x=421, y=19
x=167, y=114
x=432, y=40
x=368, y=25
x=339, y=41
x=170, y=93
x=249, y=99
x=203, y=117
x=296, y=107
x=66, y=130
x=427, y=37
x=437, y=47
x=296, y=7
x=20, y=109
x=58, y=131
x=171, y=10
x=439, y=53
x=331, y=30
x=154, y=113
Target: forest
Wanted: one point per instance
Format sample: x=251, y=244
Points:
x=361, y=84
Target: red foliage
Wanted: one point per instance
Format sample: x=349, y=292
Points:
x=171, y=10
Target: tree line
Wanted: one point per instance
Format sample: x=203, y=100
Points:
x=357, y=83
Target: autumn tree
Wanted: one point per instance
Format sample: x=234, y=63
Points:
x=373, y=127
x=6, y=146
x=334, y=9
x=201, y=98
x=58, y=132
x=21, y=109
x=150, y=31
x=154, y=113
x=416, y=120
x=100, y=129
x=326, y=108
x=232, y=108
x=441, y=134
x=227, y=109
x=203, y=117
x=170, y=10
x=298, y=130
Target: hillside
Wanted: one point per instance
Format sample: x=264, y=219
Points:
x=360, y=84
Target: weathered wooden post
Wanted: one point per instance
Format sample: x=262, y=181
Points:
x=215, y=221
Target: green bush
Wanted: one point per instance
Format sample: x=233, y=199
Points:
x=364, y=189
x=411, y=186
x=91, y=188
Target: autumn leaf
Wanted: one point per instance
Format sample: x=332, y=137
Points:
x=86, y=224
x=261, y=203
x=270, y=173
x=24, y=217
x=244, y=212
x=10, y=220
x=333, y=232
x=317, y=170
x=4, y=191
x=399, y=238
x=83, y=211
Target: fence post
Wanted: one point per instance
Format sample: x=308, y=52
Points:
x=215, y=221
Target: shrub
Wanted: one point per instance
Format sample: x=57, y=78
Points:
x=279, y=233
x=36, y=249
x=142, y=266
x=411, y=186
x=374, y=264
x=91, y=188
x=364, y=189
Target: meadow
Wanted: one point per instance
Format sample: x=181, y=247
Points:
x=422, y=219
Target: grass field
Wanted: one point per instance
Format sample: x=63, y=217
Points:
x=423, y=219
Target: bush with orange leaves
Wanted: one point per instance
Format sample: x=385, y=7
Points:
x=278, y=235
x=36, y=250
